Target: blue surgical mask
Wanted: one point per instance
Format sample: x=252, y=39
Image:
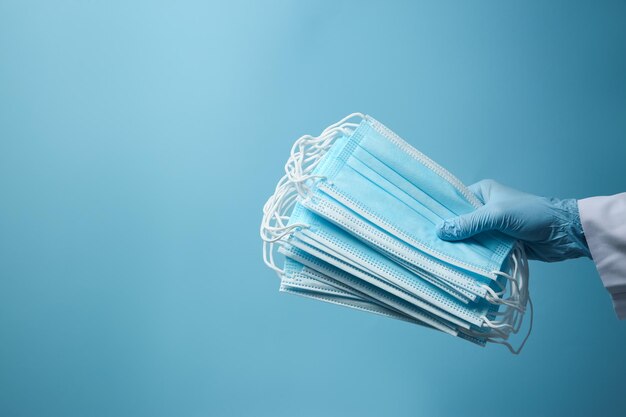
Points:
x=362, y=201
x=325, y=272
x=307, y=282
x=387, y=182
x=323, y=239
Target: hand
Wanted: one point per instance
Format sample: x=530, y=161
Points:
x=549, y=228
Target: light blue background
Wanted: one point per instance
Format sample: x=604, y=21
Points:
x=140, y=139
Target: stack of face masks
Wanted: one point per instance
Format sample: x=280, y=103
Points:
x=353, y=223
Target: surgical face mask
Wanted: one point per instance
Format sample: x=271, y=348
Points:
x=326, y=241
x=388, y=183
x=311, y=283
x=358, y=286
x=364, y=201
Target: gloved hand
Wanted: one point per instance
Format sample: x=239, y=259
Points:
x=550, y=228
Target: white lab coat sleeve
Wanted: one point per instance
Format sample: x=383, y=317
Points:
x=604, y=224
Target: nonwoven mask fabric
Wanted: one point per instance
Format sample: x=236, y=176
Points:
x=353, y=222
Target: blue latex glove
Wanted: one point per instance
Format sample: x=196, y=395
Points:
x=550, y=228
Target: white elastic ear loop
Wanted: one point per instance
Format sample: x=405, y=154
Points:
x=506, y=317
x=308, y=151
x=523, y=274
x=276, y=213
x=519, y=287
x=305, y=154
x=530, y=302
x=517, y=295
x=278, y=233
x=308, y=144
x=268, y=257
x=345, y=119
x=510, y=320
x=274, y=226
x=508, y=296
x=530, y=328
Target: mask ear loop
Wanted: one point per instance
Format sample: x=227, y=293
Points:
x=501, y=332
x=530, y=328
x=298, y=173
x=506, y=319
x=308, y=151
x=274, y=225
x=517, y=292
x=305, y=155
x=525, y=273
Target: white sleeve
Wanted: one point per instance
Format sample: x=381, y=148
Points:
x=604, y=223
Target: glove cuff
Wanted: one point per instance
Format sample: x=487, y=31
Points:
x=578, y=243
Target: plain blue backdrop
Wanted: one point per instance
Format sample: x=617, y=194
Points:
x=140, y=139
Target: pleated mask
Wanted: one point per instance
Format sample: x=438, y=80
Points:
x=364, y=201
